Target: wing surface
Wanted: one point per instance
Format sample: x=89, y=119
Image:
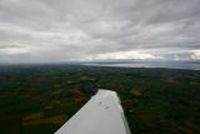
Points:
x=102, y=114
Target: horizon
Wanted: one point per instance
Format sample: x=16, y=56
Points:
x=151, y=64
x=104, y=61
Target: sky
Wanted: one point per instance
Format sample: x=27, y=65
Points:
x=92, y=30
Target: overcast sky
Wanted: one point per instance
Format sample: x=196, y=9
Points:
x=68, y=30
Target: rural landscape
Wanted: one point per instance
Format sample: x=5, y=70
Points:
x=56, y=54
x=39, y=99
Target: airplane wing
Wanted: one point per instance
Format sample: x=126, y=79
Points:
x=102, y=114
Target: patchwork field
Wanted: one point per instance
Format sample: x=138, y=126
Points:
x=40, y=98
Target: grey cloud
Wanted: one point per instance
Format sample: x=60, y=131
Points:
x=2, y=46
x=64, y=30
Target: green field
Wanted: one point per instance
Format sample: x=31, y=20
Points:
x=38, y=99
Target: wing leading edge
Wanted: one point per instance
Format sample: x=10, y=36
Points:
x=102, y=114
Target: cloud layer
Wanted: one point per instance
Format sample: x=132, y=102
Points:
x=66, y=30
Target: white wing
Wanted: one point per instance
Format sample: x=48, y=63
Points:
x=102, y=114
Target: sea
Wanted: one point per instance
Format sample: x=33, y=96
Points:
x=187, y=65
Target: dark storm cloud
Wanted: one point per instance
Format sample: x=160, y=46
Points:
x=65, y=30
